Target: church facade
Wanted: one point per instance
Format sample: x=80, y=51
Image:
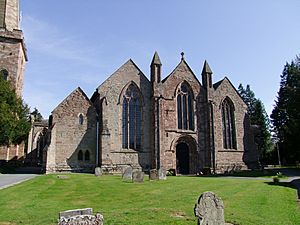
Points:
x=177, y=123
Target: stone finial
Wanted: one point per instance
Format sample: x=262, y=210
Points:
x=209, y=210
x=182, y=55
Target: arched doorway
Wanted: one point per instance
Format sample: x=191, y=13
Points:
x=182, y=158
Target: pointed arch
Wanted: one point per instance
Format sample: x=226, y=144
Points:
x=131, y=117
x=4, y=74
x=80, y=155
x=228, y=124
x=185, y=106
x=87, y=155
x=133, y=85
x=80, y=119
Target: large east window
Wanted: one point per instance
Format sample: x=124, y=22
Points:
x=228, y=124
x=185, y=108
x=131, y=118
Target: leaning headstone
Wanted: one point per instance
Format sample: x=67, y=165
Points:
x=80, y=216
x=98, y=171
x=162, y=173
x=138, y=176
x=153, y=174
x=209, y=209
x=127, y=174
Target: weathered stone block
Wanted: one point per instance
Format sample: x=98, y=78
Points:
x=138, y=176
x=209, y=209
x=153, y=174
x=80, y=216
x=98, y=171
x=162, y=173
x=75, y=212
x=127, y=174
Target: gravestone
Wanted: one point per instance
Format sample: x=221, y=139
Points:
x=153, y=174
x=127, y=174
x=80, y=216
x=209, y=210
x=162, y=173
x=98, y=171
x=138, y=176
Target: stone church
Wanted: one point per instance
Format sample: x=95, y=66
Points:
x=173, y=122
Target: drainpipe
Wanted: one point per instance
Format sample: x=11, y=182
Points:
x=97, y=142
x=213, y=154
x=158, y=134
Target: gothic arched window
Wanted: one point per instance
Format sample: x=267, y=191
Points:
x=185, y=108
x=80, y=155
x=131, y=118
x=81, y=119
x=4, y=74
x=228, y=124
x=87, y=155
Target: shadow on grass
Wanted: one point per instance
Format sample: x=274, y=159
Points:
x=294, y=184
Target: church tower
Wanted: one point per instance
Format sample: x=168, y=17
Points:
x=12, y=47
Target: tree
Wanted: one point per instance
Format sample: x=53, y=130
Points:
x=286, y=113
x=258, y=116
x=14, y=116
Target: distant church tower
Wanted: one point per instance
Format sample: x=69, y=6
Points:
x=12, y=47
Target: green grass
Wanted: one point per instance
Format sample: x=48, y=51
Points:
x=169, y=202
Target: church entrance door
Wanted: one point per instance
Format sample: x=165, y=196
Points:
x=182, y=159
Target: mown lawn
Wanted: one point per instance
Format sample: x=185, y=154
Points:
x=170, y=202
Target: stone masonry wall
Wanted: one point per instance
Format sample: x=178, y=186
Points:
x=12, y=58
x=170, y=135
x=113, y=157
x=68, y=136
x=231, y=158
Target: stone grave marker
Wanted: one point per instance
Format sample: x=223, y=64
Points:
x=127, y=174
x=98, y=171
x=80, y=216
x=162, y=173
x=209, y=210
x=138, y=176
x=153, y=174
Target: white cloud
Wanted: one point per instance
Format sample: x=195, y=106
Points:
x=47, y=39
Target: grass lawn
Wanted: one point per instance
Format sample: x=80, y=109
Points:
x=170, y=202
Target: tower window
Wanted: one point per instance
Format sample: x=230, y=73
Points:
x=185, y=108
x=228, y=124
x=131, y=118
x=4, y=74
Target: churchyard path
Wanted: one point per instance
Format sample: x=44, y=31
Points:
x=7, y=180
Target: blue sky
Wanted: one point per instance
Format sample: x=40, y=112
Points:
x=75, y=43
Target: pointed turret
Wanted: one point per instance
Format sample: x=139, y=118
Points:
x=155, y=69
x=206, y=75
